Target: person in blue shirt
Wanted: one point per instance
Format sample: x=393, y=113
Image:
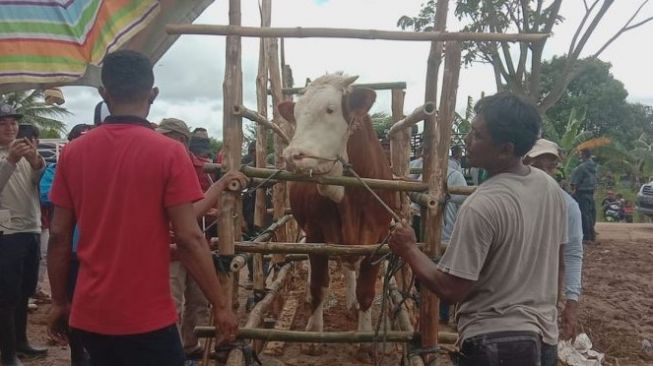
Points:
x=545, y=156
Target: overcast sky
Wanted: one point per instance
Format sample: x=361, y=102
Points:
x=190, y=74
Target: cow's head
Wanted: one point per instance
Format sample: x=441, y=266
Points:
x=324, y=117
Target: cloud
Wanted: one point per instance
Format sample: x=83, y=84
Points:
x=190, y=74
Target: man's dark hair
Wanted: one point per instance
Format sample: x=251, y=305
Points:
x=199, y=129
x=27, y=130
x=585, y=153
x=78, y=130
x=127, y=75
x=510, y=119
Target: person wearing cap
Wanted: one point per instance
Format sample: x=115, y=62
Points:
x=583, y=184
x=503, y=255
x=123, y=203
x=20, y=169
x=191, y=304
x=545, y=155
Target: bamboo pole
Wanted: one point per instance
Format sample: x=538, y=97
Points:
x=419, y=114
x=423, y=199
x=322, y=337
x=239, y=261
x=260, y=120
x=403, y=320
x=374, y=34
x=434, y=177
x=279, y=193
x=373, y=86
x=312, y=248
x=400, y=153
x=256, y=315
x=232, y=137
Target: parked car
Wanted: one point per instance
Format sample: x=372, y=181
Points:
x=645, y=199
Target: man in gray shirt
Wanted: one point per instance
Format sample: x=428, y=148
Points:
x=503, y=257
x=20, y=170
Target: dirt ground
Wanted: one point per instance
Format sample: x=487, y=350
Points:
x=616, y=309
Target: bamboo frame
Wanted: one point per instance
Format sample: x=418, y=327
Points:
x=373, y=34
x=254, y=116
x=256, y=314
x=374, y=86
x=239, y=261
x=419, y=114
x=434, y=176
x=312, y=248
x=323, y=337
x=395, y=185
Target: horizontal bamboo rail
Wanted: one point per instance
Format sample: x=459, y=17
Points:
x=419, y=114
x=254, y=116
x=323, y=337
x=394, y=185
x=423, y=199
x=301, y=32
x=311, y=248
x=373, y=86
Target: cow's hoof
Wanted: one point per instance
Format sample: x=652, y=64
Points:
x=312, y=349
x=365, y=354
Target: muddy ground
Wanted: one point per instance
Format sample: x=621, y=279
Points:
x=616, y=309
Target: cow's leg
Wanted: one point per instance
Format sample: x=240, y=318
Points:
x=319, y=284
x=350, y=270
x=365, y=292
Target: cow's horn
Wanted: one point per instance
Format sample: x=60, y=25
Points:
x=349, y=80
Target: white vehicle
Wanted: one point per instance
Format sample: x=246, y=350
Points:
x=645, y=199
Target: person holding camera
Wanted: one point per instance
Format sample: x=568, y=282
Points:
x=20, y=170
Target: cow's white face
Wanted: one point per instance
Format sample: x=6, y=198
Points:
x=322, y=128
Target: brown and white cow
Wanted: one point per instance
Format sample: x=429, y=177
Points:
x=331, y=120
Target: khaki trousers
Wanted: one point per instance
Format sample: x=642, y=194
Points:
x=192, y=306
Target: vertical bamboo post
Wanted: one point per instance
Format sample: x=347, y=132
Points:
x=400, y=153
x=434, y=176
x=232, y=137
x=260, y=209
x=279, y=192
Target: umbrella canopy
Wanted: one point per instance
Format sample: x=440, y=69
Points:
x=46, y=43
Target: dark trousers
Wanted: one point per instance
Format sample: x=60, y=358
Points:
x=506, y=349
x=587, y=207
x=158, y=348
x=19, y=270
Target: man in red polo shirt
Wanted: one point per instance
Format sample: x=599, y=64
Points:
x=122, y=183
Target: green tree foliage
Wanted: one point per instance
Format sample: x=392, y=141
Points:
x=381, y=122
x=518, y=66
x=601, y=98
x=31, y=104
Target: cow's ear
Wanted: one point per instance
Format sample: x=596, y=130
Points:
x=287, y=110
x=360, y=100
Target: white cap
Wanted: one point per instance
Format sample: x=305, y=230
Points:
x=542, y=147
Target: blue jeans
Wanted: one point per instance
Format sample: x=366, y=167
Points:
x=510, y=348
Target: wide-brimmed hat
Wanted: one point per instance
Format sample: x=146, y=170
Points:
x=543, y=146
x=174, y=125
x=8, y=111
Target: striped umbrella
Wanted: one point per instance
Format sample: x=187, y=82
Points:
x=62, y=42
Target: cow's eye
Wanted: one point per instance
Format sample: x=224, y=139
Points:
x=330, y=110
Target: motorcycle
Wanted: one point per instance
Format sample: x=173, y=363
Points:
x=613, y=212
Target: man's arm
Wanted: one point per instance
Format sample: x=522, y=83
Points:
x=448, y=287
x=59, y=256
x=193, y=252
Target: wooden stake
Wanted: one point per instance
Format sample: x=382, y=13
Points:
x=433, y=175
x=300, y=32
x=232, y=137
